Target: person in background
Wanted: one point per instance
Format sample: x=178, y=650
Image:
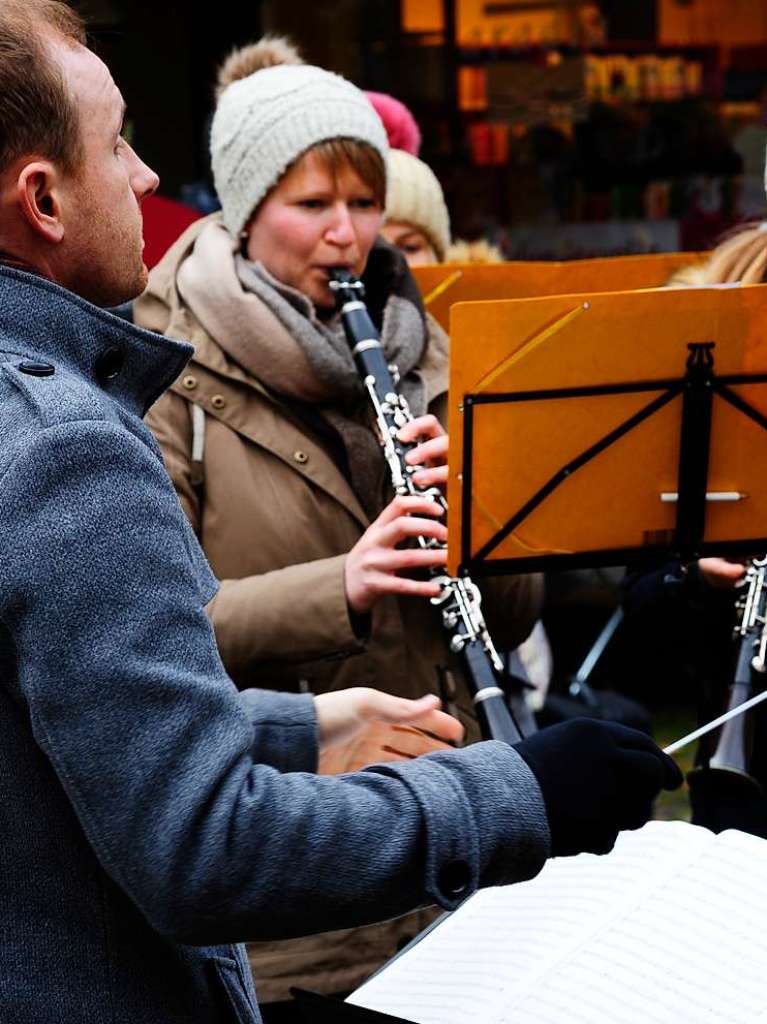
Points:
x=153, y=816
x=740, y=258
x=416, y=219
x=478, y=251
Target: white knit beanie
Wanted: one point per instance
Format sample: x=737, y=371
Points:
x=415, y=196
x=265, y=121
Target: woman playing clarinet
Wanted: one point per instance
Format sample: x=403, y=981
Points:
x=271, y=443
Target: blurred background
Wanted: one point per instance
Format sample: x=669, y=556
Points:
x=558, y=128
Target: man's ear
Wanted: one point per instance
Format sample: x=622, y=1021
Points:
x=38, y=190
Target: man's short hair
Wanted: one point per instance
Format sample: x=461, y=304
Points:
x=37, y=115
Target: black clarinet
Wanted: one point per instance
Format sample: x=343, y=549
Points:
x=459, y=600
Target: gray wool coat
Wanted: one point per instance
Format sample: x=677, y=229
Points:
x=151, y=815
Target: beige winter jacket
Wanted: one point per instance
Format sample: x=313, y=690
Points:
x=276, y=518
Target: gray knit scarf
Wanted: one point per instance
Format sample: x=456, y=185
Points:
x=274, y=333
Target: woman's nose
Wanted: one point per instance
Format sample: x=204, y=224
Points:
x=341, y=231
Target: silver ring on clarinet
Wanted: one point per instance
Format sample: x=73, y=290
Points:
x=486, y=693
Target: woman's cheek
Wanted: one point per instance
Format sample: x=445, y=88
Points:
x=367, y=237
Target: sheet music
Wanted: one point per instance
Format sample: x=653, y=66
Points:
x=482, y=961
x=694, y=950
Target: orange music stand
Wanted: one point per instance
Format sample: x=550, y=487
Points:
x=443, y=285
x=605, y=429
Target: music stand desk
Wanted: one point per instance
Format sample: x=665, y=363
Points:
x=607, y=429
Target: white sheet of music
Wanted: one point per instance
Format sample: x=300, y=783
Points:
x=671, y=926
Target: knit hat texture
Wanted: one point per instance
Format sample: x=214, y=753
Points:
x=401, y=127
x=265, y=121
x=415, y=196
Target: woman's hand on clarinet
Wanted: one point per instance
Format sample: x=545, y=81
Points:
x=431, y=452
x=373, y=564
x=343, y=714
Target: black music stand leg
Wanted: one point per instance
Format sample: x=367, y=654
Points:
x=580, y=688
x=694, y=448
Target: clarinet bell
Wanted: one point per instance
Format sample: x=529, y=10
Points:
x=723, y=798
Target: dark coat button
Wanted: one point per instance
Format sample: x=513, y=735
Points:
x=37, y=369
x=109, y=364
x=454, y=878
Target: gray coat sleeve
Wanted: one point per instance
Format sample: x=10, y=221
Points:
x=163, y=761
x=284, y=729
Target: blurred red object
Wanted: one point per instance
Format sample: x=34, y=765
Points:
x=401, y=127
x=480, y=144
x=164, y=220
x=489, y=143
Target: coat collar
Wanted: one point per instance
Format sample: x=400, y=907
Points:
x=41, y=319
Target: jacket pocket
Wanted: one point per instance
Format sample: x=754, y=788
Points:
x=232, y=992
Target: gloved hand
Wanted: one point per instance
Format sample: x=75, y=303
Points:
x=597, y=778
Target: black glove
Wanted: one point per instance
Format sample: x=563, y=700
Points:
x=596, y=778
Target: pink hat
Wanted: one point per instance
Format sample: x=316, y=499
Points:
x=399, y=123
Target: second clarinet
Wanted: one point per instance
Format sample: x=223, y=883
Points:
x=459, y=601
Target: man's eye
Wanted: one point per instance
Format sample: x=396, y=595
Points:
x=364, y=204
x=311, y=204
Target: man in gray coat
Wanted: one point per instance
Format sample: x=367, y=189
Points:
x=150, y=814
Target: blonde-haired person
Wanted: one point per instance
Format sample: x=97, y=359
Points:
x=479, y=251
x=269, y=440
x=739, y=258
x=417, y=220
